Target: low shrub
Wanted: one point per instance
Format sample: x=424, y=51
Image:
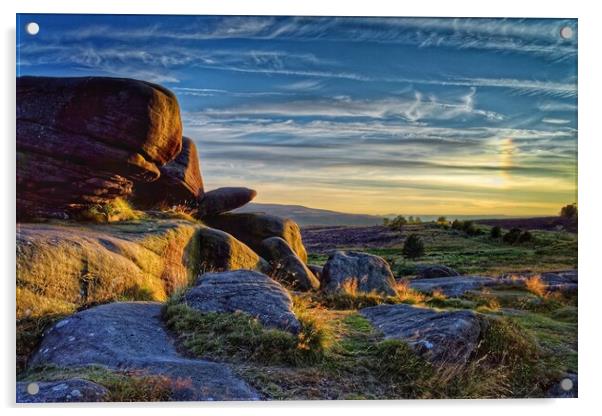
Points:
x=413, y=247
x=496, y=232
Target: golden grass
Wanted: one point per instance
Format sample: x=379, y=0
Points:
x=535, y=285
x=408, y=295
x=116, y=210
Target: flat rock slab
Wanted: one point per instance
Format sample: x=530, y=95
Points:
x=566, y=281
x=430, y=271
x=438, y=336
x=222, y=200
x=246, y=291
x=63, y=391
x=452, y=286
x=130, y=335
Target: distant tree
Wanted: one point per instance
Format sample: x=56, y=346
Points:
x=525, y=237
x=386, y=221
x=569, y=211
x=442, y=222
x=512, y=236
x=413, y=247
x=417, y=220
x=457, y=225
x=496, y=232
x=397, y=223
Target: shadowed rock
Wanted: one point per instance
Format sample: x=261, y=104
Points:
x=219, y=251
x=438, y=336
x=287, y=267
x=83, y=141
x=180, y=182
x=130, y=335
x=435, y=270
x=62, y=391
x=245, y=291
x=364, y=272
x=316, y=270
x=566, y=281
x=222, y=200
x=452, y=286
x=252, y=229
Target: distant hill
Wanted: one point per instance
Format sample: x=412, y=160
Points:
x=305, y=216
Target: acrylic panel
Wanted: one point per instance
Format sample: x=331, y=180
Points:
x=299, y=208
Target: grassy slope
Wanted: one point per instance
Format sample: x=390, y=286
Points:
x=551, y=250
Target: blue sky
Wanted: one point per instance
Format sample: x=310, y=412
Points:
x=370, y=115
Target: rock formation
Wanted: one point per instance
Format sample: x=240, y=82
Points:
x=245, y=291
x=221, y=200
x=439, y=336
x=130, y=335
x=252, y=229
x=180, y=183
x=83, y=141
x=364, y=272
x=287, y=266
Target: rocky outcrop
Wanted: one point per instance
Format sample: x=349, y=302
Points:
x=83, y=141
x=453, y=286
x=286, y=266
x=566, y=281
x=63, y=391
x=430, y=271
x=130, y=335
x=449, y=337
x=245, y=291
x=219, y=251
x=221, y=200
x=180, y=183
x=63, y=267
x=361, y=271
x=252, y=229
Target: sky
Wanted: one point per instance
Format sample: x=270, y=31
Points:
x=424, y=116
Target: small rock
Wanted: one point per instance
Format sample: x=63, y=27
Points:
x=286, y=266
x=435, y=270
x=246, y=291
x=438, y=336
x=71, y=390
x=365, y=272
x=452, y=286
x=219, y=251
x=222, y=200
x=252, y=229
x=316, y=270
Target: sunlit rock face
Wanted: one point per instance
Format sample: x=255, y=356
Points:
x=84, y=141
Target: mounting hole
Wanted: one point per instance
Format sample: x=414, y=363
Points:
x=566, y=32
x=33, y=388
x=32, y=28
x=566, y=384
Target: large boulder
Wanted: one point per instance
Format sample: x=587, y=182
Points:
x=83, y=141
x=430, y=271
x=221, y=200
x=439, y=336
x=363, y=272
x=65, y=267
x=252, y=229
x=245, y=291
x=62, y=391
x=287, y=266
x=131, y=336
x=180, y=182
x=219, y=251
x=452, y=286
